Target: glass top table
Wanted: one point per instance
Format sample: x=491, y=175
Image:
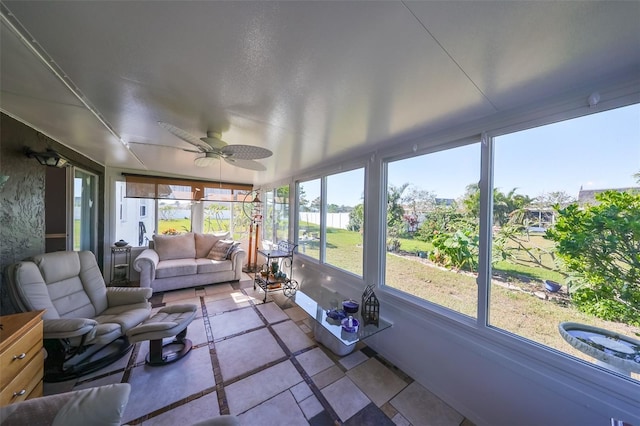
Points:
x=316, y=302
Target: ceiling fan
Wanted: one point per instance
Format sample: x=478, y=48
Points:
x=214, y=148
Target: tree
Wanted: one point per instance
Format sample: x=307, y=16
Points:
x=315, y=205
x=503, y=204
x=600, y=246
x=418, y=200
x=395, y=211
x=356, y=218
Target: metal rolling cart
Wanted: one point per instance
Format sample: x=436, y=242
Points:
x=120, y=265
x=273, y=277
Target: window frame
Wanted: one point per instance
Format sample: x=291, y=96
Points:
x=295, y=213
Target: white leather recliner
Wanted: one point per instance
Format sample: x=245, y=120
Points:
x=85, y=322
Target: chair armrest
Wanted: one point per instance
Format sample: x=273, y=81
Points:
x=118, y=296
x=64, y=328
x=146, y=264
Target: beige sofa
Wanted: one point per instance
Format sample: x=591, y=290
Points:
x=180, y=261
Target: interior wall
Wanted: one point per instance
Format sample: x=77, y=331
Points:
x=22, y=199
x=489, y=377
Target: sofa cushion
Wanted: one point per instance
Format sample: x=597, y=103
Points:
x=204, y=242
x=220, y=250
x=176, y=268
x=206, y=266
x=171, y=247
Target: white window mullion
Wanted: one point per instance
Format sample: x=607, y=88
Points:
x=486, y=206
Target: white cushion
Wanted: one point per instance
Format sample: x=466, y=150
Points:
x=171, y=247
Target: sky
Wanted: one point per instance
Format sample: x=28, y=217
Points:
x=596, y=152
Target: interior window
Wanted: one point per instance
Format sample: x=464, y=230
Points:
x=565, y=213
x=345, y=220
x=309, y=203
x=432, y=220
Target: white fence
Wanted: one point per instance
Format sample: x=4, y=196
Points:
x=334, y=220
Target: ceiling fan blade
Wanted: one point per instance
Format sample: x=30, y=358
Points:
x=246, y=164
x=245, y=152
x=166, y=146
x=185, y=136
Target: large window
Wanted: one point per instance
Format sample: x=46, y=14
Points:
x=432, y=227
x=331, y=219
x=559, y=205
x=275, y=211
x=345, y=220
x=136, y=222
x=565, y=238
x=309, y=218
x=147, y=205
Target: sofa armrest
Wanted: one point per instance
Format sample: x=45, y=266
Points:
x=65, y=328
x=103, y=405
x=237, y=261
x=146, y=264
x=118, y=296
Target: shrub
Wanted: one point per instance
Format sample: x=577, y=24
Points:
x=600, y=247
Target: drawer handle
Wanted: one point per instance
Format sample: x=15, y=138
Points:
x=22, y=392
x=21, y=356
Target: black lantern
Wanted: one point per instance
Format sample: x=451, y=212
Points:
x=370, y=308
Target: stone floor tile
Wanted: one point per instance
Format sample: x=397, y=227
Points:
x=194, y=411
x=377, y=381
x=328, y=376
x=419, y=406
x=353, y=359
x=305, y=329
x=311, y=407
x=241, y=354
x=233, y=301
x=369, y=416
x=196, y=332
x=218, y=288
x=257, y=388
x=234, y=322
x=345, y=398
x=301, y=391
x=314, y=361
x=399, y=420
x=292, y=336
x=272, y=312
x=172, y=296
x=279, y=410
x=155, y=387
x=296, y=313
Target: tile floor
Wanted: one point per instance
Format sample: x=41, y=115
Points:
x=259, y=361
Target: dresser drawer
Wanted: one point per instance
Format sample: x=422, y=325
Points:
x=24, y=384
x=14, y=359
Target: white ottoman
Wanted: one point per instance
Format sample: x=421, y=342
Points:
x=167, y=322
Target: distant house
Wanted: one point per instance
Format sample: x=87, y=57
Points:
x=588, y=196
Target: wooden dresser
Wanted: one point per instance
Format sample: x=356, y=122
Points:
x=21, y=357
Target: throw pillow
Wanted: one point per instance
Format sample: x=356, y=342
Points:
x=235, y=247
x=220, y=250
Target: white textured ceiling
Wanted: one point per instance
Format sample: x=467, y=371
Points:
x=312, y=81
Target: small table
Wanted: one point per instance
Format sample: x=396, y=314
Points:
x=120, y=265
x=611, y=350
x=316, y=302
